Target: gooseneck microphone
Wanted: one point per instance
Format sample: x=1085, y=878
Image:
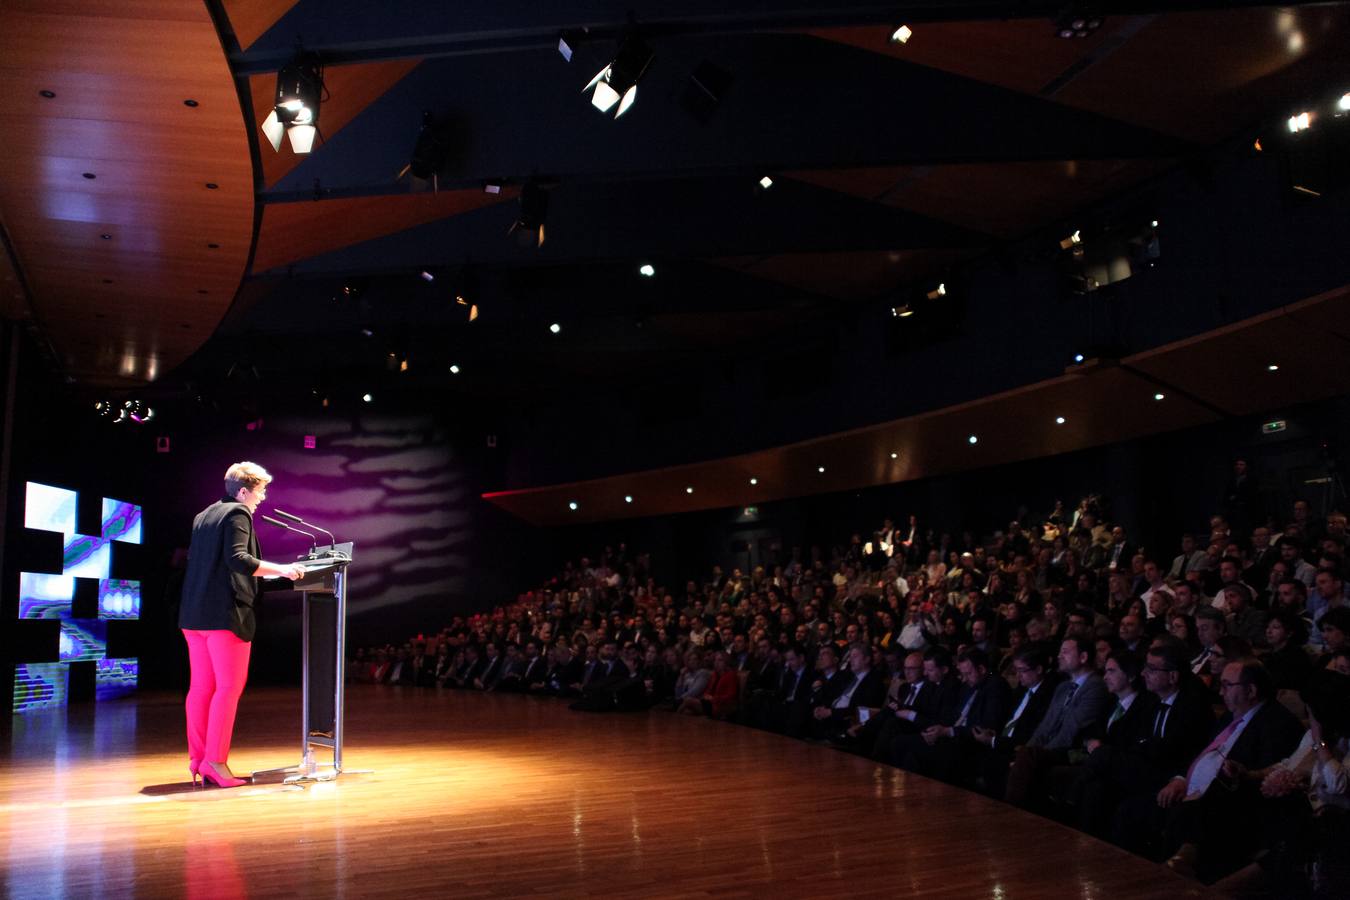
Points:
x=271, y=521
x=292, y=517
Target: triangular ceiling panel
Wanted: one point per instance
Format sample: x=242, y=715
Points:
x=250, y=19
x=291, y=232
x=350, y=89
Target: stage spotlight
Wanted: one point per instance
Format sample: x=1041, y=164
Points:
x=473, y=312
x=618, y=81
x=820, y=469
x=766, y=182
x=1059, y=420
x=572, y=506
x=903, y=311
x=529, y=224
x=295, y=111
x=647, y=269
x=689, y=490
x=105, y=409
x=367, y=398
x=454, y=369
x=973, y=439
x=754, y=481
x=1272, y=368
x=427, y=276
x=1343, y=104
x=902, y=35
x=431, y=149
x=1159, y=396
x=1300, y=122
x=555, y=328
x=1078, y=357
x=1077, y=25
x=939, y=291
x=1071, y=241
x=895, y=456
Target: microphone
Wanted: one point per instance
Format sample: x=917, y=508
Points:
x=271, y=521
x=294, y=518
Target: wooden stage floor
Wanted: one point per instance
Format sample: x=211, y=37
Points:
x=486, y=795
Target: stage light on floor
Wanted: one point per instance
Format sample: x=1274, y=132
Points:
x=1299, y=122
x=902, y=35
x=617, y=82
x=973, y=439
x=555, y=328
x=647, y=269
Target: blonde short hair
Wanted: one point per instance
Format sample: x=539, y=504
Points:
x=245, y=475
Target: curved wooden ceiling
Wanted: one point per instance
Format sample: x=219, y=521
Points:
x=132, y=269
x=1203, y=379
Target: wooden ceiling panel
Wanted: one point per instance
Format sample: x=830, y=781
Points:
x=1226, y=368
x=296, y=231
x=120, y=72
x=251, y=19
x=13, y=299
x=1003, y=199
x=1203, y=75
x=350, y=90
x=1022, y=54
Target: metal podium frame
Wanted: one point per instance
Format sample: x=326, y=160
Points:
x=303, y=773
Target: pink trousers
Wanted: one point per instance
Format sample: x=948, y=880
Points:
x=219, y=664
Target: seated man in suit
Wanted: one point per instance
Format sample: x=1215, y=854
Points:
x=830, y=680
x=791, y=710
x=867, y=689
x=934, y=703
x=1079, y=704
x=1129, y=722
x=907, y=683
x=949, y=752
x=1035, y=689
x=1178, y=726
x=491, y=670
x=1206, y=812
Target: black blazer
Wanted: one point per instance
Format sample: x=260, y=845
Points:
x=1135, y=726
x=991, y=706
x=939, y=704
x=870, y=692
x=219, y=589
x=1029, y=721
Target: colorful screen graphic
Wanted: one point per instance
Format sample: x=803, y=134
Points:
x=51, y=595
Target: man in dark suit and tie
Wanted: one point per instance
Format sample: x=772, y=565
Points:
x=866, y=688
x=936, y=701
x=791, y=708
x=1079, y=704
x=1205, y=812
x=491, y=670
x=1181, y=724
x=948, y=752
x=1036, y=688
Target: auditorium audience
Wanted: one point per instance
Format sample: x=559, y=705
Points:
x=1057, y=665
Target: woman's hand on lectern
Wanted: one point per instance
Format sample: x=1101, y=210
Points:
x=294, y=572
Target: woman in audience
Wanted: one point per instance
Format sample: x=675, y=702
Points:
x=719, y=697
x=1287, y=661
x=1182, y=627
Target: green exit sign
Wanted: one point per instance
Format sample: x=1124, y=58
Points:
x=1274, y=427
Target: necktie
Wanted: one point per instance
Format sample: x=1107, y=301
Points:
x=1115, y=715
x=1213, y=745
x=1160, y=721
x=913, y=695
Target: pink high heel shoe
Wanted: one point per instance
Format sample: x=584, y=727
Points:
x=193, y=766
x=212, y=772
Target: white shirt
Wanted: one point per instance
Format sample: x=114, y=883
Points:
x=842, y=701
x=1206, y=768
x=1328, y=784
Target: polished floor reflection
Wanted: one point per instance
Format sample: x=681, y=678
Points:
x=482, y=796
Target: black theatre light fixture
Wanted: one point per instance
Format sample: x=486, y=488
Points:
x=529, y=224
x=617, y=82
x=432, y=148
x=295, y=110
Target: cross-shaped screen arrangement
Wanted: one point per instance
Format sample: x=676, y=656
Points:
x=51, y=595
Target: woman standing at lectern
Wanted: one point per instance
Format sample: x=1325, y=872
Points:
x=217, y=617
